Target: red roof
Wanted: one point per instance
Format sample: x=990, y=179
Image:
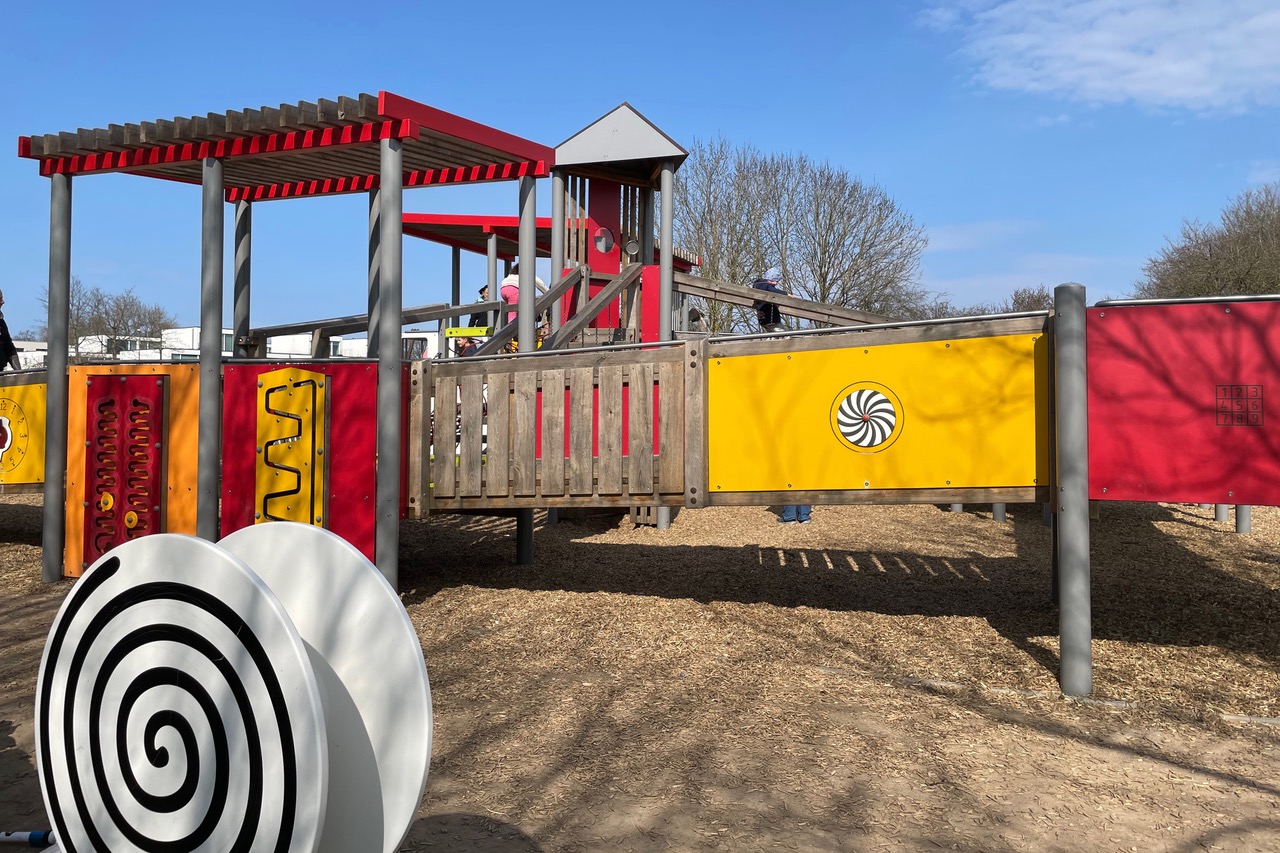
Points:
x=326, y=147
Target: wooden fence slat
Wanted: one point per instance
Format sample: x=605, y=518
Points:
x=525, y=414
x=610, y=431
x=418, y=471
x=670, y=427
x=553, y=432
x=695, y=424
x=444, y=445
x=470, y=456
x=640, y=430
x=498, y=456
x=581, y=429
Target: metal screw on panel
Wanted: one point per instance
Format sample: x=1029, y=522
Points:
x=867, y=484
x=259, y=384
x=1104, y=490
x=948, y=346
x=258, y=450
x=1230, y=494
x=1228, y=310
x=317, y=519
x=320, y=452
x=257, y=515
x=1102, y=313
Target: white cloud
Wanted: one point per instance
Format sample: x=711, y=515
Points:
x=1198, y=55
x=967, y=236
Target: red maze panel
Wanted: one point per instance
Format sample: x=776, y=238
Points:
x=350, y=447
x=124, y=461
x=1184, y=403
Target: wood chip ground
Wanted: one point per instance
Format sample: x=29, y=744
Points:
x=881, y=679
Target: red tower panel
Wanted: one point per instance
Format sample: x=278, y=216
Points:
x=350, y=446
x=1178, y=398
x=124, y=461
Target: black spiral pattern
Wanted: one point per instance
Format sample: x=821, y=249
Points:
x=164, y=723
x=866, y=418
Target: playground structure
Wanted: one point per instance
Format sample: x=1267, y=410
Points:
x=974, y=410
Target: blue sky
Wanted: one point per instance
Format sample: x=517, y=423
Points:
x=1037, y=141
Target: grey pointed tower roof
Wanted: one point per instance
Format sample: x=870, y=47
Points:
x=622, y=144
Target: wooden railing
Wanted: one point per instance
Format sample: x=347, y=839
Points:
x=604, y=428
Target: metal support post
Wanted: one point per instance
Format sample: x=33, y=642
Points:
x=1221, y=512
x=56, y=392
x=1072, y=482
x=491, y=244
x=375, y=267
x=666, y=279
x=209, y=443
x=1244, y=519
x=558, y=226
x=957, y=507
x=456, y=296
x=525, y=333
x=390, y=316
x=998, y=512
x=241, y=286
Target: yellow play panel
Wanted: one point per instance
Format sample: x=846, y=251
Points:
x=952, y=414
x=22, y=431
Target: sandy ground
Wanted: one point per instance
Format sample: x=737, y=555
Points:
x=882, y=679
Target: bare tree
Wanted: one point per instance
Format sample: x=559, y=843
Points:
x=79, y=313
x=837, y=239
x=1239, y=255
x=115, y=317
x=121, y=318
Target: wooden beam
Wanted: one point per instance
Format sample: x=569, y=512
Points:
x=607, y=294
x=736, y=294
x=544, y=302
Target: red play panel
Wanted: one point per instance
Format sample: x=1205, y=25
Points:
x=349, y=445
x=1178, y=402
x=124, y=461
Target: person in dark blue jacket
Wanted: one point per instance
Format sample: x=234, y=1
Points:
x=766, y=312
x=771, y=321
x=8, y=352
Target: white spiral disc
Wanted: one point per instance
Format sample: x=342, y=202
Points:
x=866, y=418
x=373, y=680
x=177, y=710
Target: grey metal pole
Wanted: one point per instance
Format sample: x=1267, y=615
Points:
x=375, y=268
x=456, y=281
x=1047, y=514
x=957, y=507
x=666, y=278
x=209, y=443
x=646, y=226
x=528, y=265
x=558, y=225
x=525, y=333
x=1221, y=512
x=390, y=316
x=242, y=285
x=491, y=244
x=1072, y=456
x=56, y=392
x=998, y=512
x=1244, y=519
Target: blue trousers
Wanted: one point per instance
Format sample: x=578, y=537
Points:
x=795, y=512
